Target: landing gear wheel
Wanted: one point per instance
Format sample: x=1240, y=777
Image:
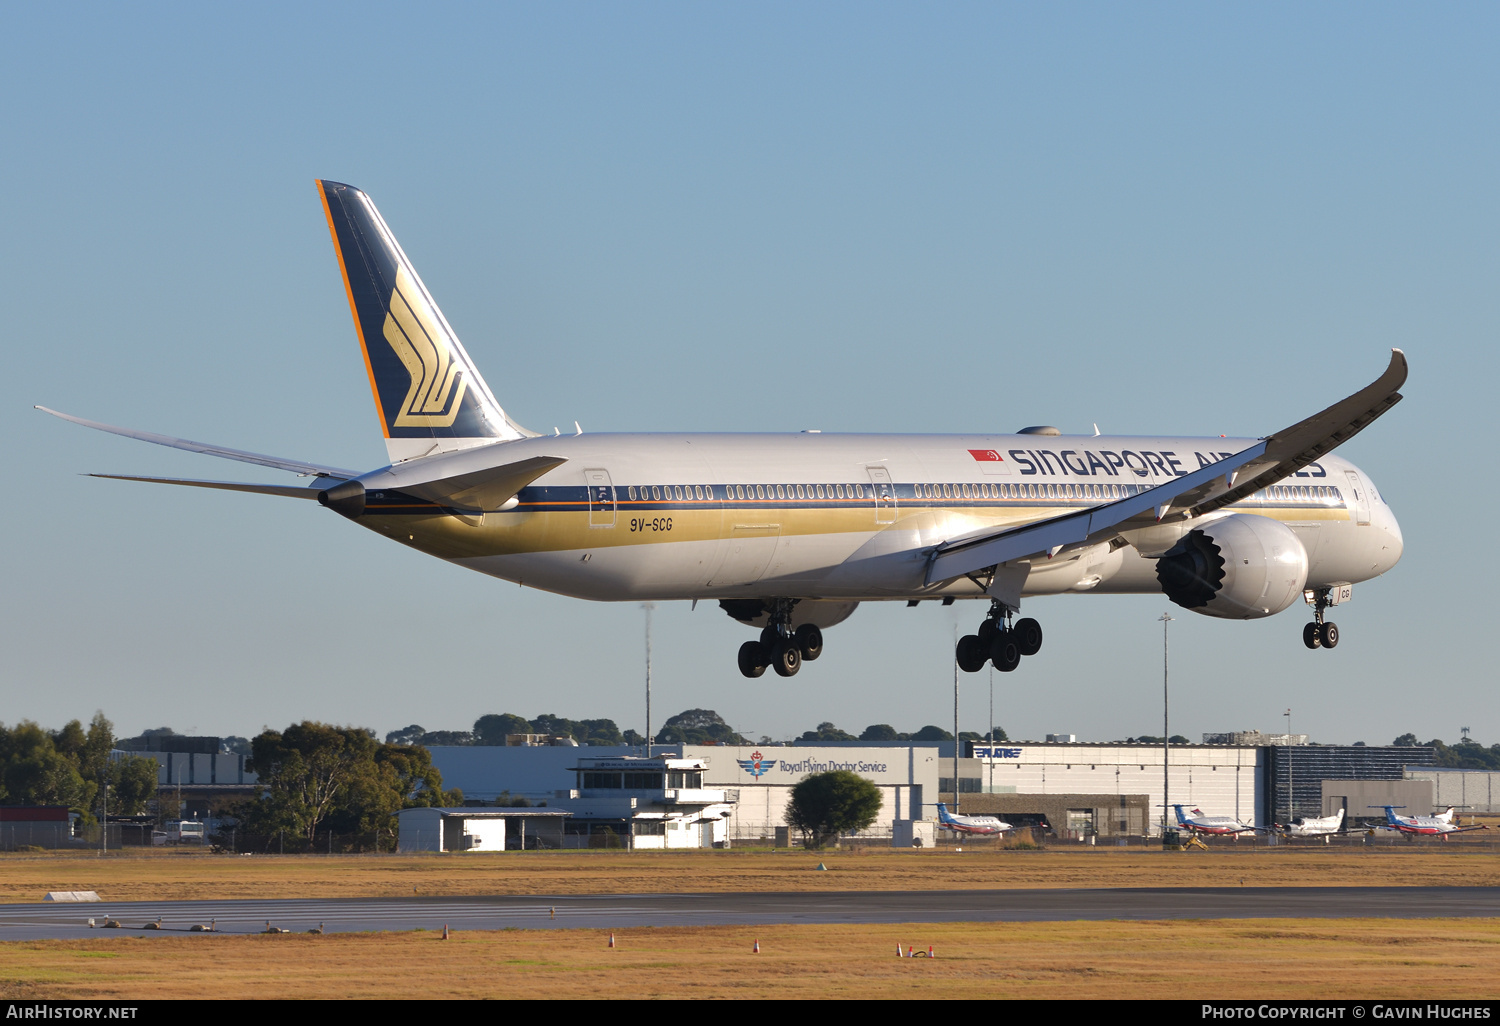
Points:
x=1328, y=634
x=809, y=641
x=1028, y=635
x=753, y=659
x=1004, y=652
x=971, y=654
x=1310, y=632
x=769, y=635
x=786, y=658
x=986, y=632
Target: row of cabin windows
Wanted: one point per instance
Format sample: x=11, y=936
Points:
x=607, y=779
x=684, y=493
x=985, y=490
x=1028, y=490
x=1312, y=494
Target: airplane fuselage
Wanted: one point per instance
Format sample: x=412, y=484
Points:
x=847, y=517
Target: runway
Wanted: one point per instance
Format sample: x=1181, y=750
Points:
x=619, y=911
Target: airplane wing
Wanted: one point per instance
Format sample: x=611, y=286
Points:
x=459, y=481
x=291, y=491
x=1207, y=489
x=485, y=489
x=276, y=462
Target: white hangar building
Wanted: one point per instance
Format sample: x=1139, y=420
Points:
x=757, y=781
x=1223, y=780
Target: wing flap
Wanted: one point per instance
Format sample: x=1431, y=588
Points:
x=1207, y=489
x=275, y=462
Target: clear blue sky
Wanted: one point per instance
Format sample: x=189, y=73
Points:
x=1162, y=218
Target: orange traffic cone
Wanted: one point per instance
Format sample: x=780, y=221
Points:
x=929, y=952
x=445, y=931
x=898, y=950
x=908, y=951
x=611, y=940
x=756, y=950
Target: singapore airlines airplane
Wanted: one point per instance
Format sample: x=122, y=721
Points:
x=789, y=533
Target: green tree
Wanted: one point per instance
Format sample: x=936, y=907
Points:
x=318, y=776
x=825, y=732
x=93, y=755
x=132, y=785
x=932, y=733
x=600, y=732
x=411, y=735
x=491, y=728
x=1405, y=741
x=698, y=727
x=34, y=772
x=882, y=732
x=825, y=805
x=306, y=770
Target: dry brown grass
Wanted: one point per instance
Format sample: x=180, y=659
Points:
x=1261, y=959
x=179, y=875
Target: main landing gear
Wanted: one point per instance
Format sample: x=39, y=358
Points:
x=1320, y=634
x=779, y=646
x=1000, y=641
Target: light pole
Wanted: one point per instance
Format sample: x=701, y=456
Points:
x=1290, y=809
x=648, y=606
x=956, y=742
x=1166, y=752
x=992, y=728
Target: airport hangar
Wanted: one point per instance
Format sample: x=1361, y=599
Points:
x=1079, y=790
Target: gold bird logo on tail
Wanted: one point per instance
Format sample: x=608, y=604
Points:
x=437, y=379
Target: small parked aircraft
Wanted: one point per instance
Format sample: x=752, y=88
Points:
x=1440, y=825
x=1198, y=823
x=970, y=824
x=1313, y=826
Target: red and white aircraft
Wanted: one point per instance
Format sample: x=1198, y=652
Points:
x=1440, y=825
x=970, y=824
x=1198, y=823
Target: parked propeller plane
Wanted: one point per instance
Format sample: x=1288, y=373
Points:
x=1313, y=826
x=790, y=532
x=1198, y=823
x=970, y=824
x=1440, y=825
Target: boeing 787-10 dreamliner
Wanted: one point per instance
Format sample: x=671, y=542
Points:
x=790, y=532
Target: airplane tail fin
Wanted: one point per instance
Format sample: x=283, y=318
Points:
x=428, y=393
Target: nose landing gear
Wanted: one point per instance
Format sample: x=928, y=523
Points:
x=999, y=641
x=1320, y=634
x=780, y=647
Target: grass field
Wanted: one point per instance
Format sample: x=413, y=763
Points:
x=181, y=875
x=1259, y=959
x=1262, y=960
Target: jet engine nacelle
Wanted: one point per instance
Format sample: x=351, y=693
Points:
x=1240, y=567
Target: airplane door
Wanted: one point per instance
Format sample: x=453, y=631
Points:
x=885, y=494
x=1360, y=505
x=601, y=498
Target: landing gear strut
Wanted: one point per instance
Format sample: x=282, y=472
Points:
x=780, y=647
x=1320, y=634
x=999, y=641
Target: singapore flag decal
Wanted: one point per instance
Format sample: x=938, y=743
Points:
x=986, y=455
